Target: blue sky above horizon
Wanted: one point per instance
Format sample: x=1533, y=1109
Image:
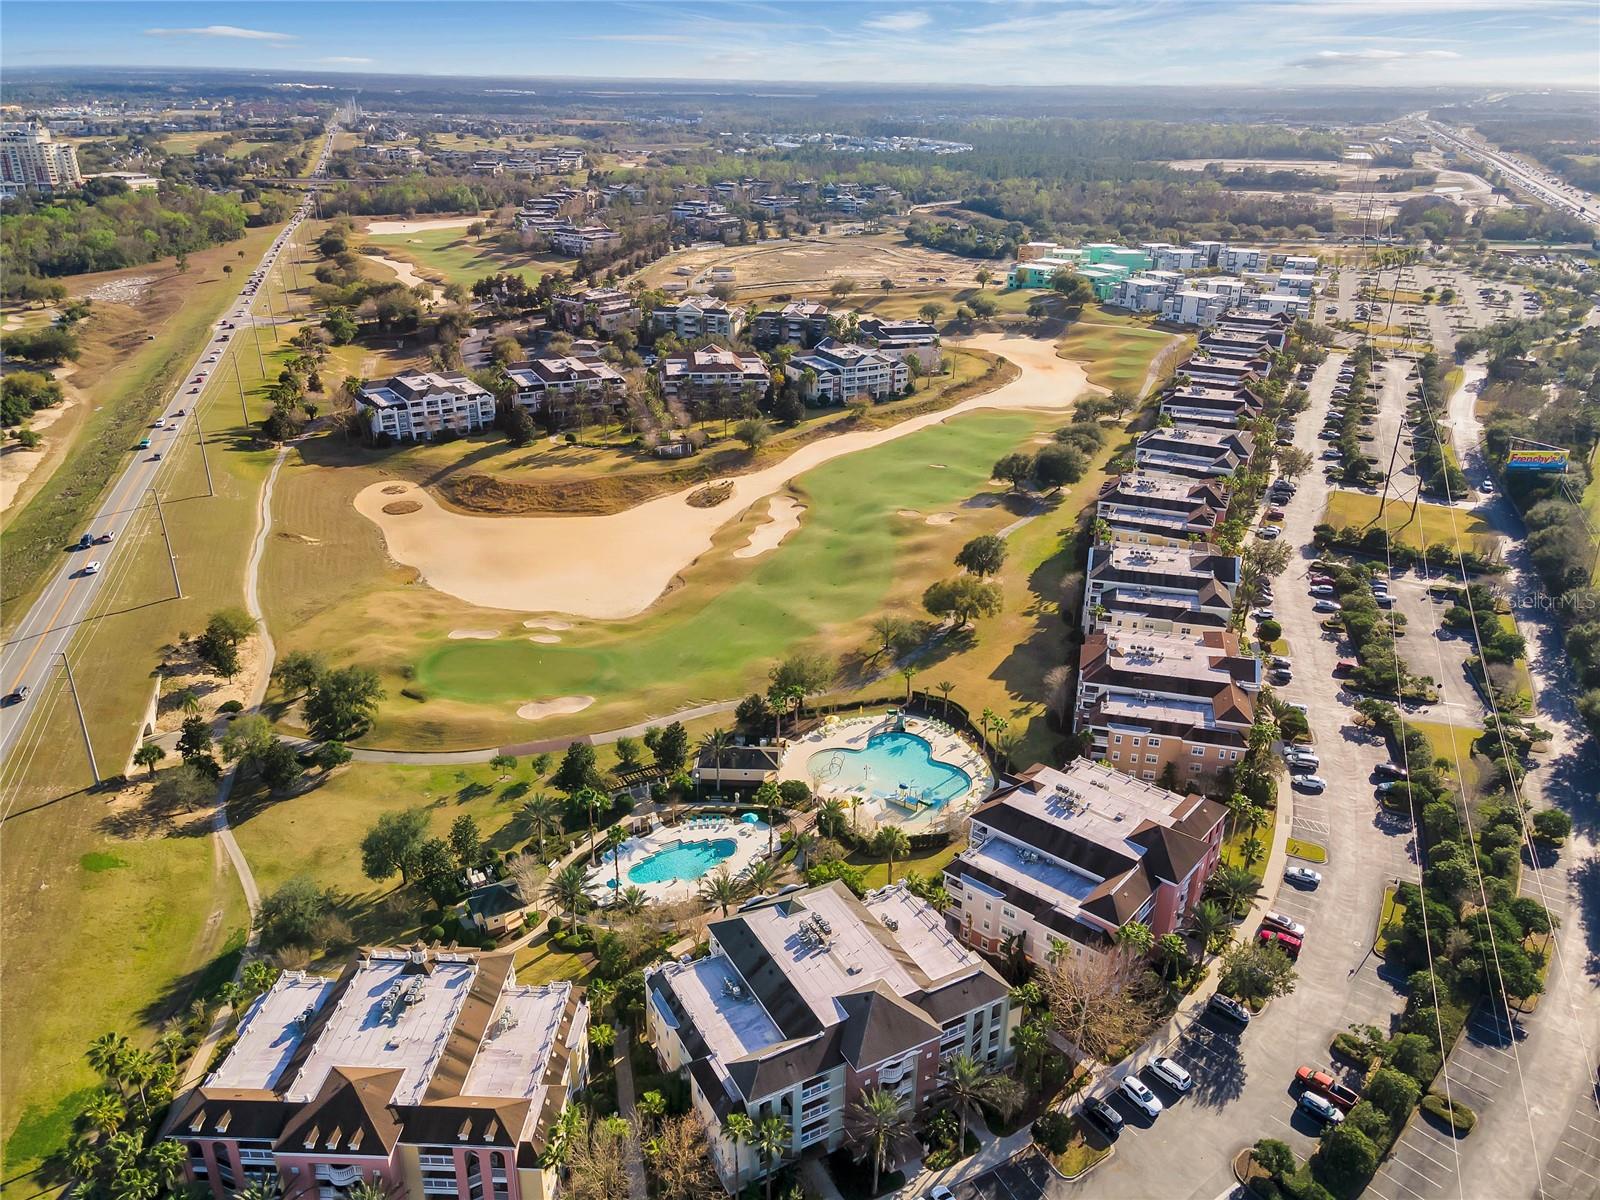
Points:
x=1552, y=43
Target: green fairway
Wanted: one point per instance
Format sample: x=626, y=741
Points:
x=839, y=567
x=457, y=258
x=1113, y=355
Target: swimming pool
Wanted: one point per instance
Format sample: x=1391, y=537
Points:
x=683, y=860
x=890, y=764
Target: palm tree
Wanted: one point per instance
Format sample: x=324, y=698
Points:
x=802, y=843
x=1171, y=950
x=1235, y=887
x=1030, y=1039
x=616, y=836
x=633, y=900
x=367, y=1189
x=969, y=1085
x=720, y=889
x=1207, y=921
x=167, y=1159
x=105, y=1112
x=1135, y=938
x=855, y=810
x=876, y=1119
x=259, y=1189
x=148, y=755
x=601, y=992
x=773, y=1138
x=593, y=801
x=944, y=688
x=1252, y=850
x=715, y=744
x=759, y=876
x=135, y=1183
x=892, y=843
x=188, y=701
x=569, y=889
x=106, y=1053
x=602, y=1037
x=830, y=817
x=742, y=1131
x=908, y=673
x=1235, y=804
x=767, y=796
x=540, y=814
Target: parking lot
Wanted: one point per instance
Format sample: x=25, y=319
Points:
x=1441, y=324
x=1025, y=1177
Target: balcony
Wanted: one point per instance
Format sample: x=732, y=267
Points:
x=445, y=1161
x=261, y=1157
x=812, y=1091
x=439, y=1185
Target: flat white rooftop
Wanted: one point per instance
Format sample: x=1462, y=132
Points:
x=391, y=1015
x=920, y=931
x=726, y=1013
x=1097, y=803
x=271, y=1031
x=1033, y=873
x=1137, y=709
x=517, y=1047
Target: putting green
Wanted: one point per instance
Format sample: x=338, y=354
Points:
x=712, y=639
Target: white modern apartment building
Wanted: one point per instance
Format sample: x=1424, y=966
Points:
x=30, y=160
x=1191, y=306
x=697, y=317
x=558, y=383
x=1147, y=291
x=423, y=404
x=806, y=1000
x=583, y=239
x=835, y=371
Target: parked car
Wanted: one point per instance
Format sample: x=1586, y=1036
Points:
x=1277, y=920
x=1281, y=676
x=1324, y=1084
x=1305, y=759
x=938, y=1192
x=1344, y=666
x=1321, y=589
x=1388, y=770
x=1269, y=533
x=1303, y=876
x=1281, y=660
x=1103, y=1115
x=1320, y=1107
x=1171, y=1073
x=1146, y=1100
x=1326, y=606
x=1229, y=1007
x=1486, y=487
x=1286, y=942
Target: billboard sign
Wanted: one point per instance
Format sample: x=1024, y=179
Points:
x=1536, y=460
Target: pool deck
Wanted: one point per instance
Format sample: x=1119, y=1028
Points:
x=750, y=844
x=852, y=733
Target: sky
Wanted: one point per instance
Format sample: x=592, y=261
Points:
x=1041, y=42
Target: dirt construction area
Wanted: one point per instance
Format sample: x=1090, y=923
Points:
x=815, y=262
x=1351, y=196
x=569, y=565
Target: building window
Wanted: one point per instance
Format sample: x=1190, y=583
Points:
x=1147, y=774
x=1135, y=741
x=1150, y=758
x=1155, y=741
x=1197, y=751
x=1116, y=756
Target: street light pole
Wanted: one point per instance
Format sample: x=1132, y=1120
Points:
x=200, y=436
x=238, y=382
x=83, y=725
x=172, y=559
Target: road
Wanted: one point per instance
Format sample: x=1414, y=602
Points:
x=35, y=651
x=1542, y=185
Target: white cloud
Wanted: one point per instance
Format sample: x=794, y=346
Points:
x=344, y=58
x=1323, y=60
x=223, y=31
x=899, y=22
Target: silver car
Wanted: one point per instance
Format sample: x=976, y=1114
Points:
x=1171, y=1073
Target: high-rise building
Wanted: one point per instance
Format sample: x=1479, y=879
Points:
x=31, y=160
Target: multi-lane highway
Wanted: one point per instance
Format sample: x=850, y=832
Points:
x=32, y=656
x=1530, y=178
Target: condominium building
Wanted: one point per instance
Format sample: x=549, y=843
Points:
x=30, y=160
x=606, y=309
x=1157, y=508
x=1194, y=451
x=798, y=323
x=1192, y=586
x=420, y=1071
x=1059, y=860
x=704, y=218
x=1223, y=372
x=1192, y=306
x=559, y=383
x=1167, y=705
x=713, y=371
x=583, y=239
x=424, y=404
x=1235, y=345
x=1273, y=328
x=903, y=339
x=1146, y=291
x=836, y=371
x=697, y=317
x=807, y=1000
x=1205, y=407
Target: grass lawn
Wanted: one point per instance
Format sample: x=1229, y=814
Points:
x=166, y=915
x=1114, y=355
x=540, y=962
x=1389, y=918
x=1079, y=1155
x=453, y=257
x=931, y=863
x=1450, y=742
x=1433, y=523
x=1310, y=851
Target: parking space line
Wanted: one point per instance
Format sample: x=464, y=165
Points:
x=1386, y=1174
x=1432, y=1136
x=1581, y=1133
x=1419, y=1150
x=1565, y=1163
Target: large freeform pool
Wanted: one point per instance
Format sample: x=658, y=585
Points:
x=682, y=861
x=890, y=764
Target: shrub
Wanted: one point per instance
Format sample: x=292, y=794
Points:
x=230, y=706
x=1269, y=631
x=555, y=924
x=435, y=933
x=1053, y=1131
x=1457, y=1115
x=411, y=693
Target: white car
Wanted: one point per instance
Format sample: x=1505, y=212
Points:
x=1310, y=783
x=1287, y=924
x=1486, y=488
x=1299, y=754
x=1304, y=876
x=1171, y=1073
x=92, y=568
x=1134, y=1089
x=939, y=1192
x=1269, y=533
x=1320, y=1108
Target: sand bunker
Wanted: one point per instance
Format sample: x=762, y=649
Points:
x=419, y=226
x=541, y=623
x=561, y=706
x=399, y=508
x=397, y=489
x=482, y=635
x=783, y=518
x=549, y=639
x=940, y=518
x=569, y=564
x=906, y=512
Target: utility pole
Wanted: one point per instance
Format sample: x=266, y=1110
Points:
x=200, y=436
x=172, y=559
x=83, y=726
x=266, y=297
x=244, y=411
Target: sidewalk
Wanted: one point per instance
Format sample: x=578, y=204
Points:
x=638, y=1188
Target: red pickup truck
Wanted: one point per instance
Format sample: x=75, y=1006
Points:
x=1324, y=1083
